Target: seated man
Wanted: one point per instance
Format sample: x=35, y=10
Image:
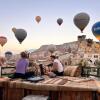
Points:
x=57, y=67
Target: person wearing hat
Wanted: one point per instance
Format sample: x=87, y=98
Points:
x=57, y=67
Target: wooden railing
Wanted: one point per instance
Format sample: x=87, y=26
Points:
x=85, y=71
x=5, y=72
x=90, y=71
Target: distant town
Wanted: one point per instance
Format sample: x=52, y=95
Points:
x=69, y=53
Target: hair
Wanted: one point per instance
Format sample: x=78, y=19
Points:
x=23, y=55
x=52, y=56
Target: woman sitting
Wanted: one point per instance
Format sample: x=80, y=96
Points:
x=21, y=67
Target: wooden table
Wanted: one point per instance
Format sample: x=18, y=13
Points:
x=98, y=89
x=60, y=88
x=3, y=88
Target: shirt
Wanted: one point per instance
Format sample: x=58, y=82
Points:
x=60, y=66
x=21, y=66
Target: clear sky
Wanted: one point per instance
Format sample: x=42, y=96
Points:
x=22, y=13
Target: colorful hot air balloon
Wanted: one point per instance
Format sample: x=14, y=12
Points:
x=81, y=20
x=38, y=19
x=20, y=34
x=3, y=40
x=59, y=21
x=96, y=30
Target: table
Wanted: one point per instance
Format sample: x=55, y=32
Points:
x=60, y=88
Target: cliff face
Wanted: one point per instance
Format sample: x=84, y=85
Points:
x=42, y=48
x=74, y=47
x=72, y=51
x=69, y=53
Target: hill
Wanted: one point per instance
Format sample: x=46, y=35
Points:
x=69, y=52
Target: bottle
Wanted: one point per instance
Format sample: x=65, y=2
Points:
x=41, y=69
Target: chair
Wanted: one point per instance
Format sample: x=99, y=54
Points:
x=73, y=71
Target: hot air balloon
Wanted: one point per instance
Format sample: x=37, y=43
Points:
x=96, y=30
x=3, y=40
x=59, y=21
x=20, y=34
x=38, y=19
x=8, y=55
x=81, y=20
x=14, y=29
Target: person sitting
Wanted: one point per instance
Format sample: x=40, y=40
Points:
x=2, y=61
x=21, y=67
x=57, y=67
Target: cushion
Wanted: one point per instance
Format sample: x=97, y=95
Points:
x=72, y=71
x=35, y=97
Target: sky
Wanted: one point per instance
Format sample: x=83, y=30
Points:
x=22, y=13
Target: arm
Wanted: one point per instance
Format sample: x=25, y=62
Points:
x=55, y=66
x=27, y=66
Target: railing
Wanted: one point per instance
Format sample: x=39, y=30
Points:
x=90, y=71
x=85, y=71
x=7, y=70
